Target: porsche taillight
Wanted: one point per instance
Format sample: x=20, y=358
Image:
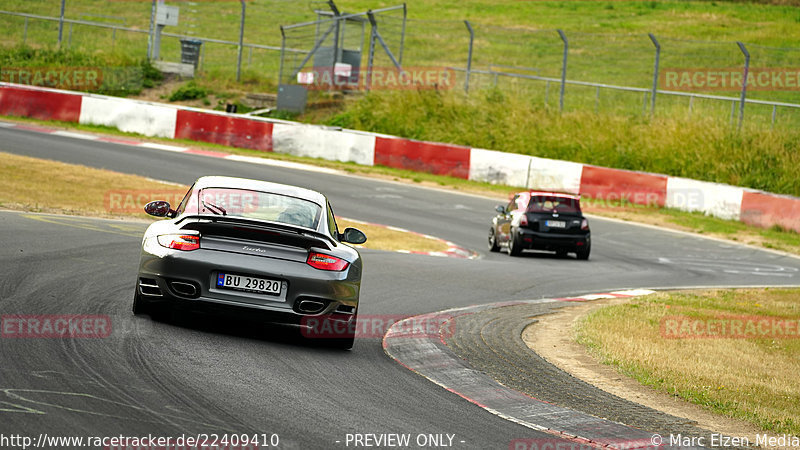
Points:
x=584, y=224
x=523, y=220
x=322, y=261
x=184, y=242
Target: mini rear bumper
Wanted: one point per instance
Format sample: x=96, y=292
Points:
x=535, y=240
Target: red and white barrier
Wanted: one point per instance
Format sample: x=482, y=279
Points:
x=719, y=200
x=129, y=115
x=159, y=120
x=325, y=143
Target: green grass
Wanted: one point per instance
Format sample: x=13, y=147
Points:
x=698, y=148
x=742, y=378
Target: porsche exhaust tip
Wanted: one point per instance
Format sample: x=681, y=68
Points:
x=310, y=306
x=184, y=289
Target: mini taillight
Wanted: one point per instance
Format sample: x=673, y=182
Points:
x=185, y=242
x=584, y=224
x=326, y=262
x=523, y=220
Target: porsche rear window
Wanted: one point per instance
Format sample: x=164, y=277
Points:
x=257, y=205
x=551, y=204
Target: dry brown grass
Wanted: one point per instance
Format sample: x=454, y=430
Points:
x=383, y=238
x=750, y=379
x=40, y=185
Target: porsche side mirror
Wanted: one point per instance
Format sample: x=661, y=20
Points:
x=159, y=208
x=501, y=209
x=353, y=236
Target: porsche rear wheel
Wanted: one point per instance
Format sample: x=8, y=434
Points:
x=493, y=247
x=514, y=245
x=139, y=306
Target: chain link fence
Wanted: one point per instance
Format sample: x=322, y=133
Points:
x=602, y=72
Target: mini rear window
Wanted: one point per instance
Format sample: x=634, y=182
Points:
x=553, y=204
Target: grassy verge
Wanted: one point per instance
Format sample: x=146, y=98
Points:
x=750, y=378
x=38, y=185
x=694, y=147
x=773, y=238
x=787, y=241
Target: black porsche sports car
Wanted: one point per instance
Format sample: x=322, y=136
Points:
x=541, y=221
x=256, y=247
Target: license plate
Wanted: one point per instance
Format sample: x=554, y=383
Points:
x=556, y=223
x=248, y=284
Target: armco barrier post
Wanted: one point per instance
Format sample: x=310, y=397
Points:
x=744, y=81
x=563, y=71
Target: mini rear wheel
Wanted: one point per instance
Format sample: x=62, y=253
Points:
x=583, y=254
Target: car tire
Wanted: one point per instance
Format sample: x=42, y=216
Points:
x=345, y=343
x=583, y=254
x=493, y=247
x=139, y=306
x=514, y=245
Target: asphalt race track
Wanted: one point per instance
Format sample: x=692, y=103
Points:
x=202, y=376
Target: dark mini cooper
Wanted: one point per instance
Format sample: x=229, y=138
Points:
x=266, y=249
x=541, y=221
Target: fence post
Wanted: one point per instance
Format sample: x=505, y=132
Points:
x=744, y=81
x=61, y=22
x=563, y=71
x=403, y=34
x=371, y=56
x=150, y=33
x=337, y=31
x=241, y=41
x=655, y=73
x=469, y=55
x=25, y=34
x=283, y=56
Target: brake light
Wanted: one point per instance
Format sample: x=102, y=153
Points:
x=184, y=242
x=523, y=220
x=584, y=224
x=326, y=262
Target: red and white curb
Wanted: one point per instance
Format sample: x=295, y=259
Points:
x=453, y=250
x=421, y=348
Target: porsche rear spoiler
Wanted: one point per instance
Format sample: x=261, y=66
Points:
x=256, y=230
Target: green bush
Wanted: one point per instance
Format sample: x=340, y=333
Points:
x=189, y=91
